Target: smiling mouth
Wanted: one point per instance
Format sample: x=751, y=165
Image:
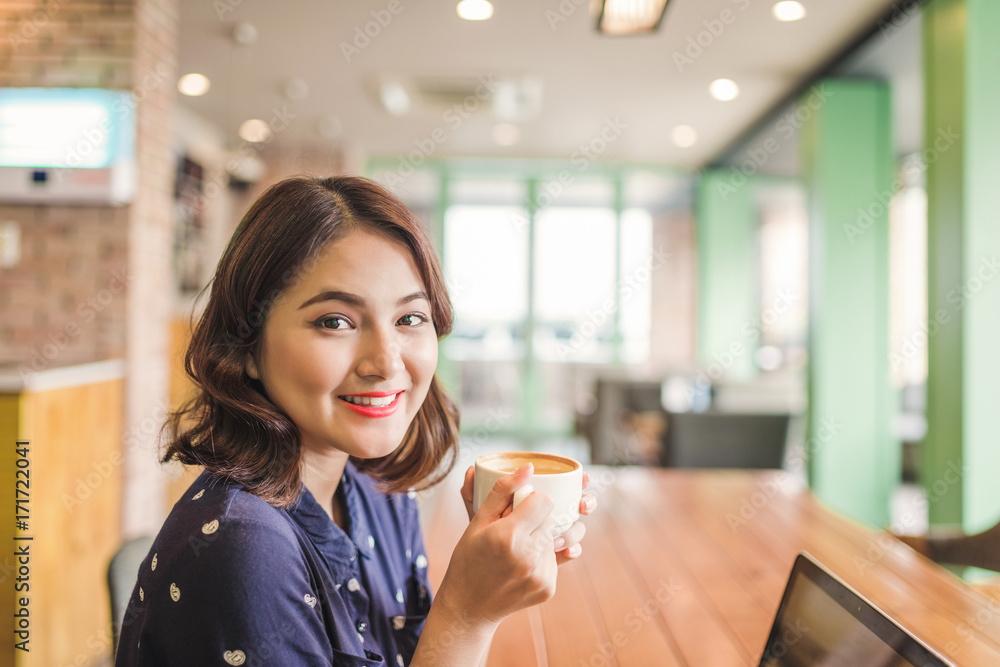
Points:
x=373, y=404
x=373, y=401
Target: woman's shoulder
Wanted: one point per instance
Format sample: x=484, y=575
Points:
x=216, y=517
x=227, y=570
x=223, y=498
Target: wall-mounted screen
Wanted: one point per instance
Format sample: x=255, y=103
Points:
x=72, y=145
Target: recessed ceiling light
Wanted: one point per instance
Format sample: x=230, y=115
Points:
x=255, y=131
x=394, y=98
x=475, y=10
x=684, y=136
x=194, y=84
x=246, y=168
x=627, y=17
x=788, y=10
x=506, y=134
x=245, y=33
x=724, y=89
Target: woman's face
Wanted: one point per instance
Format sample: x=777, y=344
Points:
x=349, y=350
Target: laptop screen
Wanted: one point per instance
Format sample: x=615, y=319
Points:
x=822, y=621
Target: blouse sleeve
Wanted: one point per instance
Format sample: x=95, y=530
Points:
x=238, y=593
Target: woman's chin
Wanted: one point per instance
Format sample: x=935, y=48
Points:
x=368, y=452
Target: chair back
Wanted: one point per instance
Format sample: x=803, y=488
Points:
x=123, y=572
x=725, y=440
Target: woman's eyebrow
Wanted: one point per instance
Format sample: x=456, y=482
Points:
x=414, y=297
x=355, y=300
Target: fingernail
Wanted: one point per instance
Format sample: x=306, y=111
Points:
x=590, y=503
x=575, y=550
x=529, y=466
x=559, y=543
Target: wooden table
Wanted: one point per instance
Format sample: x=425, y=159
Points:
x=686, y=567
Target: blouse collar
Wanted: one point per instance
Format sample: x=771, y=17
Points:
x=337, y=544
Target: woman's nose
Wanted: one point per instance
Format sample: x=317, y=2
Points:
x=380, y=355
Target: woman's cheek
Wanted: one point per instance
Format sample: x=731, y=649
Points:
x=424, y=357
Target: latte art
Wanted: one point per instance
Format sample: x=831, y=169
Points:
x=544, y=464
x=558, y=477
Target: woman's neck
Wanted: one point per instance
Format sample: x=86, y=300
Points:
x=322, y=470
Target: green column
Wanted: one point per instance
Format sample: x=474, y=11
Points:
x=728, y=301
x=961, y=458
x=847, y=166
x=447, y=370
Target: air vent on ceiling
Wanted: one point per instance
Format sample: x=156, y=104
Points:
x=507, y=98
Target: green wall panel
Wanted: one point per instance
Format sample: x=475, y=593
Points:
x=726, y=225
x=848, y=170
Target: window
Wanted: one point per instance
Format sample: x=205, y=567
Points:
x=575, y=283
x=550, y=280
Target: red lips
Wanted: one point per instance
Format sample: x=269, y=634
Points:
x=371, y=410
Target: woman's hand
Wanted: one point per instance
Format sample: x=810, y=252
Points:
x=505, y=560
x=567, y=545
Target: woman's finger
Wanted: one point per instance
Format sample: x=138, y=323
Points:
x=566, y=555
x=467, y=487
x=573, y=535
x=588, y=504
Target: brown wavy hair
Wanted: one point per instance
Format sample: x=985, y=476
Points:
x=231, y=427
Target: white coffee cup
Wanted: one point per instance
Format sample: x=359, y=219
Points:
x=558, y=477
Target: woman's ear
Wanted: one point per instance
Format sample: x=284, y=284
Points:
x=250, y=367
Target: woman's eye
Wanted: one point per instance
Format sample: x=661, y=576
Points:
x=333, y=323
x=412, y=319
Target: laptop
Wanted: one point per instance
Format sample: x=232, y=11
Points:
x=823, y=621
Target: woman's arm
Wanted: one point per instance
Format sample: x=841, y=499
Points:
x=501, y=564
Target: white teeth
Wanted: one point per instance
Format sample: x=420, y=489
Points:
x=374, y=401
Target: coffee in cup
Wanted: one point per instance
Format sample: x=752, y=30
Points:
x=558, y=477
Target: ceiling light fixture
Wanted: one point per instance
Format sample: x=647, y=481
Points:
x=394, y=98
x=475, y=10
x=246, y=168
x=630, y=17
x=788, y=10
x=684, y=136
x=245, y=33
x=255, y=131
x=724, y=89
x=193, y=84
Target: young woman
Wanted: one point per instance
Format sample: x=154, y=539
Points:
x=318, y=416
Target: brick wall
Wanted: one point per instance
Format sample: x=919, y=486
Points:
x=70, y=43
x=95, y=282
x=64, y=303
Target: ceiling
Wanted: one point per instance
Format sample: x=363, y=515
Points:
x=895, y=56
x=577, y=84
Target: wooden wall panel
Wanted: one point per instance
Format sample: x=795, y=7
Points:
x=10, y=424
x=181, y=388
x=75, y=519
